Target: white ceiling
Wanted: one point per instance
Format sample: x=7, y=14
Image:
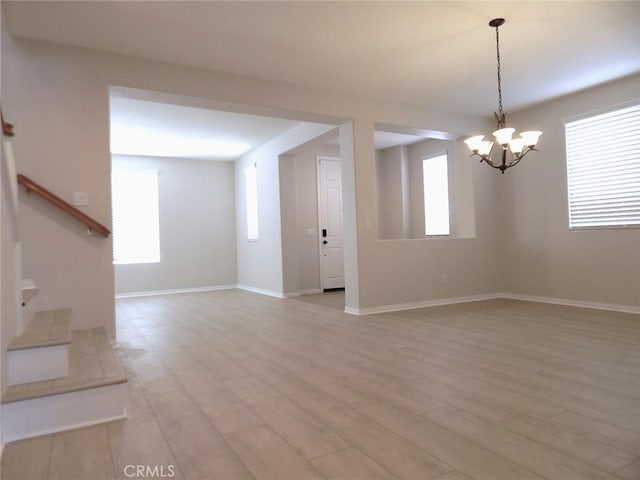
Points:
x=434, y=54
x=140, y=127
x=159, y=129
x=438, y=55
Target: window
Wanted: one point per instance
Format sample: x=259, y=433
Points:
x=436, y=195
x=136, y=222
x=251, y=192
x=603, y=169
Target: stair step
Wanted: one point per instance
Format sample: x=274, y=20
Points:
x=52, y=327
x=41, y=352
x=93, y=392
x=29, y=290
x=92, y=363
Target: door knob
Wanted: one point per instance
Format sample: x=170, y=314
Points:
x=324, y=242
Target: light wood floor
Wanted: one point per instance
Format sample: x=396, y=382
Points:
x=232, y=385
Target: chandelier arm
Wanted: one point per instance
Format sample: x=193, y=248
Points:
x=515, y=162
x=521, y=156
x=476, y=143
x=493, y=165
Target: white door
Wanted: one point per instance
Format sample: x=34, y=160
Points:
x=330, y=219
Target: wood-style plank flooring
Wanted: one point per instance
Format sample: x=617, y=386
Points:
x=231, y=385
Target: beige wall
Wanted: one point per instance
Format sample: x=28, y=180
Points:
x=66, y=146
x=58, y=99
x=540, y=256
x=197, y=226
x=299, y=204
x=400, y=192
x=262, y=264
x=392, y=189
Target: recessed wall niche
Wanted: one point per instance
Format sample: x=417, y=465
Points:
x=400, y=153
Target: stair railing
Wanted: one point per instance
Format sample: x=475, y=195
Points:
x=92, y=225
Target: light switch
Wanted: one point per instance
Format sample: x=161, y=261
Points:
x=311, y=232
x=80, y=199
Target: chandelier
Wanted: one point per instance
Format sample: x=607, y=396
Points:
x=503, y=151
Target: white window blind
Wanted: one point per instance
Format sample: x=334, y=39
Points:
x=436, y=195
x=603, y=169
x=136, y=219
x=251, y=178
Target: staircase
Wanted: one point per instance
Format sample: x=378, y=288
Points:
x=60, y=379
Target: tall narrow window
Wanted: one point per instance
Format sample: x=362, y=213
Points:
x=136, y=220
x=436, y=195
x=603, y=169
x=251, y=177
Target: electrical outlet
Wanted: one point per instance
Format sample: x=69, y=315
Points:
x=443, y=278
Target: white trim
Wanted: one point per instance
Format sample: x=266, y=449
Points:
x=614, y=307
x=313, y=291
x=492, y=296
x=174, y=291
x=300, y=293
x=422, y=304
x=291, y=294
x=261, y=291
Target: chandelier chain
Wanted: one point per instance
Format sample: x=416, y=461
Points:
x=499, y=76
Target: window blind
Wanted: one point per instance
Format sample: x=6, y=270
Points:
x=603, y=169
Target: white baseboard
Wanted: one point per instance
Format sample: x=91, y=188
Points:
x=291, y=294
x=492, y=296
x=261, y=291
x=174, y=291
x=301, y=293
x=572, y=303
x=313, y=291
x=421, y=304
x=404, y=306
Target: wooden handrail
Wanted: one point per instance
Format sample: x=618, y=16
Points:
x=91, y=224
x=7, y=128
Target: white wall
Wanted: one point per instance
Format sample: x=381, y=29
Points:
x=541, y=257
x=400, y=190
x=260, y=263
x=66, y=146
x=8, y=265
x=197, y=226
x=410, y=271
x=299, y=206
x=392, y=186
